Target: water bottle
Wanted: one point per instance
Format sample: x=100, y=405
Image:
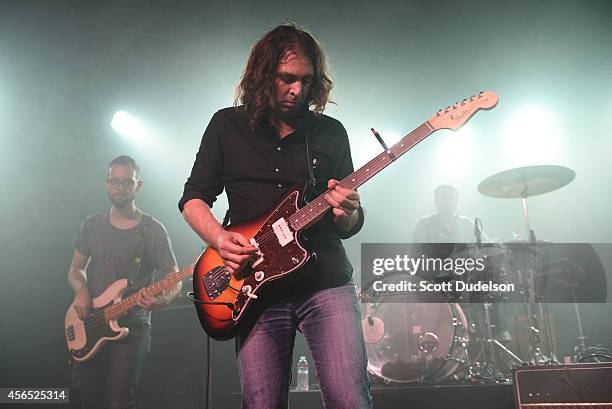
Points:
x=302, y=374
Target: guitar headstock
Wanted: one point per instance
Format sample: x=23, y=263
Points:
x=454, y=116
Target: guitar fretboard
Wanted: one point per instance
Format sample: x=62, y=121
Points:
x=116, y=310
x=313, y=211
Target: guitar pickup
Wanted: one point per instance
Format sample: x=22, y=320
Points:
x=282, y=231
x=70, y=335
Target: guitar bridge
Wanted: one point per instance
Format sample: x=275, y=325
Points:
x=216, y=281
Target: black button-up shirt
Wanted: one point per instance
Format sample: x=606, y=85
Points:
x=257, y=168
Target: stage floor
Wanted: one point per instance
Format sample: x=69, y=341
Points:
x=490, y=396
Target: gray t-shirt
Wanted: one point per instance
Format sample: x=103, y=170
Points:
x=112, y=252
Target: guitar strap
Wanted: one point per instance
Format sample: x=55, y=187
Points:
x=140, y=247
x=312, y=181
x=226, y=219
x=310, y=193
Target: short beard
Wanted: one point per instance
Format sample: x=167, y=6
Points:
x=123, y=203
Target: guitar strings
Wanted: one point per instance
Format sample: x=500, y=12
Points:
x=99, y=317
x=362, y=174
x=376, y=165
x=269, y=237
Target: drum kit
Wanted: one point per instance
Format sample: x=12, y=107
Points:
x=455, y=343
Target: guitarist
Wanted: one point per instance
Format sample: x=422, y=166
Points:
x=106, y=249
x=256, y=150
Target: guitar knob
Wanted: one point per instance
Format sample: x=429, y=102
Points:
x=259, y=276
x=247, y=289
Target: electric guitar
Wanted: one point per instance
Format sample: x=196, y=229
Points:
x=85, y=337
x=223, y=299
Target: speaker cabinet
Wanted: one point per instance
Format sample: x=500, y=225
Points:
x=564, y=386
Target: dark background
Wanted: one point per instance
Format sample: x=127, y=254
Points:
x=67, y=66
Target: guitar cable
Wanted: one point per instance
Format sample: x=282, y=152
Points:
x=191, y=296
x=207, y=379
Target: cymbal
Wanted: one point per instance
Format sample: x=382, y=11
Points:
x=526, y=181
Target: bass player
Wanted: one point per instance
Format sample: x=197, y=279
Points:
x=121, y=243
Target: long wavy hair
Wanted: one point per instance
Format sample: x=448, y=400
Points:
x=257, y=82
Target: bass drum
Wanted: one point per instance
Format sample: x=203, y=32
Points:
x=414, y=342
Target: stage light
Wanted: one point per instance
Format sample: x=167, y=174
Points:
x=531, y=137
x=128, y=126
x=454, y=153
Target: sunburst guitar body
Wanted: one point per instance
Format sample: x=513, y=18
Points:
x=225, y=298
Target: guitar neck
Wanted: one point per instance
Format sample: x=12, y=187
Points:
x=313, y=211
x=119, y=309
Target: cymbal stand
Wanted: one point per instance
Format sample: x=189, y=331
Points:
x=582, y=351
x=488, y=365
x=531, y=298
x=492, y=342
x=489, y=345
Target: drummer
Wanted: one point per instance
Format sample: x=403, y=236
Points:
x=446, y=226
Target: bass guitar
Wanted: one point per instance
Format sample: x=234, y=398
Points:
x=223, y=299
x=85, y=337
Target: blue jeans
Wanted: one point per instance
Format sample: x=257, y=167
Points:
x=330, y=322
x=110, y=378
